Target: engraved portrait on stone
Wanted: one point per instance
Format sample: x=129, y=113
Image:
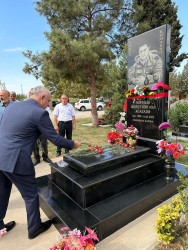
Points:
x=147, y=58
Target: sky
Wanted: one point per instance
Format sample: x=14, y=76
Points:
x=22, y=29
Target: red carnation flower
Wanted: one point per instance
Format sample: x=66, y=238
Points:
x=176, y=155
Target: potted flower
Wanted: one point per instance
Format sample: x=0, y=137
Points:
x=169, y=151
x=131, y=135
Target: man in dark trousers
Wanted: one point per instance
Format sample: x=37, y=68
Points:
x=64, y=120
x=20, y=126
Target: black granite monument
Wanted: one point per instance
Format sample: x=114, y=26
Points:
x=183, y=131
x=107, y=191
x=150, y=66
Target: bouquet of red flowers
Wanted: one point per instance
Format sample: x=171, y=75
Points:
x=113, y=137
x=169, y=151
x=74, y=240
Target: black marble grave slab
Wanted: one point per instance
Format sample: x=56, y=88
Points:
x=88, y=190
x=183, y=129
x=87, y=162
x=110, y=214
x=181, y=134
x=147, y=142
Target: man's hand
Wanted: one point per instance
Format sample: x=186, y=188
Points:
x=74, y=126
x=77, y=144
x=56, y=128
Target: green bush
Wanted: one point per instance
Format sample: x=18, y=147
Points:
x=183, y=191
x=168, y=220
x=112, y=113
x=178, y=115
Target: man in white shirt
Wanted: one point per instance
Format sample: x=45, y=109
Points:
x=64, y=120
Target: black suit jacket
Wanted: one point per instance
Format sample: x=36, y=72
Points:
x=20, y=126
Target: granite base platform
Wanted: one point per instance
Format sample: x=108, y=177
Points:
x=183, y=131
x=106, y=199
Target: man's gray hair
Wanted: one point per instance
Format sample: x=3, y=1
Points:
x=39, y=90
x=12, y=93
x=7, y=92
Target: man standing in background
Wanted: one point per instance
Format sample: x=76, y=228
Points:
x=43, y=142
x=13, y=96
x=64, y=120
x=4, y=101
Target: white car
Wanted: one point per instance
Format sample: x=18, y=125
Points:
x=85, y=104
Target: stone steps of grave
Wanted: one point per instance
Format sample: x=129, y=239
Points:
x=108, y=215
x=183, y=129
x=88, y=190
x=181, y=134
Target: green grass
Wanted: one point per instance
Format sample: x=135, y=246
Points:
x=93, y=135
x=182, y=159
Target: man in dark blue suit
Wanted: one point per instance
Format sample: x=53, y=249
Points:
x=20, y=127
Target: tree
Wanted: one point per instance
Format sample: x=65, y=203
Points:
x=184, y=80
x=85, y=34
x=117, y=89
x=149, y=14
x=179, y=82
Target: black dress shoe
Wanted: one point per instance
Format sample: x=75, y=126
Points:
x=47, y=160
x=10, y=225
x=58, y=154
x=44, y=226
x=36, y=161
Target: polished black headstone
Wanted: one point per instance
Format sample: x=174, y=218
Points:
x=146, y=115
x=154, y=47
x=87, y=162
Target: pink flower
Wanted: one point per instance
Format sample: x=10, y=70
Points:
x=92, y=234
x=119, y=126
x=75, y=232
x=64, y=229
x=164, y=125
x=3, y=231
x=154, y=87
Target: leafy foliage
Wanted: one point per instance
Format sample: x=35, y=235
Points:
x=84, y=36
x=112, y=113
x=117, y=89
x=178, y=115
x=179, y=82
x=21, y=97
x=149, y=14
x=183, y=191
x=168, y=219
